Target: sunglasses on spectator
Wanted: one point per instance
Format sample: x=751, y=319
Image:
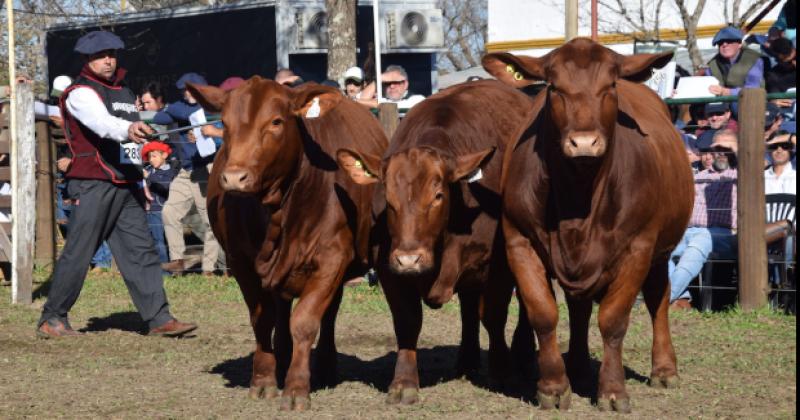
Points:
x=715, y=114
x=788, y=146
x=394, y=83
x=729, y=41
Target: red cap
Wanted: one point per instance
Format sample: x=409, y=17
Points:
x=155, y=145
x=231, y=83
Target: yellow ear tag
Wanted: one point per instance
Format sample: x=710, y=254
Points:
x=518, y=76
x=509, y=68
x=357, y=164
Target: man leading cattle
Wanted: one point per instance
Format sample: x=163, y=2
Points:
x=100, y=123
x=583, y=201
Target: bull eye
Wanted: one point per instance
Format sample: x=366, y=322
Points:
x=437, y=199
x=277, y=121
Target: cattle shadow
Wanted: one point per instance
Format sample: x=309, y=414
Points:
x=436, y=366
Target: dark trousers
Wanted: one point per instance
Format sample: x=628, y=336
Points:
x=115, y=214
x=157, y=231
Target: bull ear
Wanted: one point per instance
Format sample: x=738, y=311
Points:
x=363, y=168
x=311, y=100
x=211, y=98
x=467, y=164
x=517, y=71
x=639, y=68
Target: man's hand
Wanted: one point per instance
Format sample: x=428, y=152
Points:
x=211, y=131
x=783, y=103
x=63, y=164
x=138, y=132
x=719, y=90
x=58, y=121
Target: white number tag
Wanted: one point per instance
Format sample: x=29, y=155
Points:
x=130, y=154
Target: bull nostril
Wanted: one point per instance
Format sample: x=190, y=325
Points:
x=408, y=260
x=573, y=142
x=224, y=179
x=594, y=143
x=243, y=177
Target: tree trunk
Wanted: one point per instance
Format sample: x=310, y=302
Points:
x=341, y=36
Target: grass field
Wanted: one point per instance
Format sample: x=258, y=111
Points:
x=732, y=364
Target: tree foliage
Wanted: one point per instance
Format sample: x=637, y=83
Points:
x=465, y=27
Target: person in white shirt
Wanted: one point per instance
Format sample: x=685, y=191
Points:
x=780, y=177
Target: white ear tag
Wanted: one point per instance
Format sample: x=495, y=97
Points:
x=476, y=176
x=314, y=109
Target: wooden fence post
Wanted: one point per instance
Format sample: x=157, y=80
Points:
x=23, y=186
x=45, y=198
x=751, y=212
x=388, y=114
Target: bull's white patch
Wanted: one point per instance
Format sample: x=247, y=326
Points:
x=475, y=176
x=314, y=109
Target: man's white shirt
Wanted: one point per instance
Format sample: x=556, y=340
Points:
x=786, y=183
x=85, y=105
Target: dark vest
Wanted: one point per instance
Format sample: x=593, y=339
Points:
x=94, y=157
x=736, y=75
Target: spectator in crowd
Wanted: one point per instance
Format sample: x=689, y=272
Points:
x=152, y=97
x=188, y=189
x=713, y=222
x=353, y=82
x=288, y=78
x=396, y=87
x=719, y=117
x=159, y=175
x=99, y=118
x=780, y=177
x=735, y=67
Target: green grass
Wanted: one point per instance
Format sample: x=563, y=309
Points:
x=732, y=364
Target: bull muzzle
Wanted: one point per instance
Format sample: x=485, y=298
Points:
x=409, y=262
x=584, y=144
x=237, y=180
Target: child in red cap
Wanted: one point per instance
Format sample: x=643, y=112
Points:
x=159, y=174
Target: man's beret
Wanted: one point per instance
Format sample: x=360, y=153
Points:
x=97, y=41
x=728, y=33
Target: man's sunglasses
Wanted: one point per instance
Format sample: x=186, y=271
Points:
x=394, y=83
x=788, y=146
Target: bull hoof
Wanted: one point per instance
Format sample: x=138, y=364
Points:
x=405, y=396
x=261, y=392
x=562, y=401
x=295, y=403
x=664, y=381
x=612, y=403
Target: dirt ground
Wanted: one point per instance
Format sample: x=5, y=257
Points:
x=732, y=364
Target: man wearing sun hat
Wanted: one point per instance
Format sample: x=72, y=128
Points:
x=100, y=124
x=735, y=67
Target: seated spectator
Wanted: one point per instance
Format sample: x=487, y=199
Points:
x=159, y=175
x=780, y=177
x=720, y=117
x=735, y=67
x=713, y=222
x=288, y=78
x=396, y=87
x=152, y=97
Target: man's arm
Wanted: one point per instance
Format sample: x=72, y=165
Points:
x=85, y=105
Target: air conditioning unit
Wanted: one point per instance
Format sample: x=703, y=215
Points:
x=414, y=29
x=312, y=28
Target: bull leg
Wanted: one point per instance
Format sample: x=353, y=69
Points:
x=262, y=319
x=326, y=345
x=469, y=352
x=613, y=318
x=283, y=338
x=406, y=309
x=523, y=346
x=305, y=322
x=553, y=386
x=494, y=314
x=656, y=296
x=578, y=366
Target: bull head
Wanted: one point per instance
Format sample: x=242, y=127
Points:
x=582, y=96
x=417, y=184
x=262, y=138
